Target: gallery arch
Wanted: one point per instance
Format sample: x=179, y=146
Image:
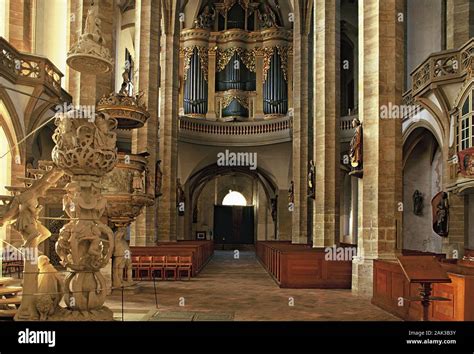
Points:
x=218, y=193
x=422, y=180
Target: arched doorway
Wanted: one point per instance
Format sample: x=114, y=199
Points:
x=233, y=220
x=232, y=206
x=422, y=173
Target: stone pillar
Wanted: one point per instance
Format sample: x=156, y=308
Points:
x=86, y=89
x=381, y=60
x=20, y=26
x=300, y=122
x=143, y=231
x=326, y=114
x=459, y=22
x=211, y=85
x=259, y=89
x=168, y=133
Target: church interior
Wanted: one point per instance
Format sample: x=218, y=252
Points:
x=237, y=160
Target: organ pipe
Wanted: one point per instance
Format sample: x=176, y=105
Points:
x=195, y=88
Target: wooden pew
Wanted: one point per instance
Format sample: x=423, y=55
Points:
x=301, y=266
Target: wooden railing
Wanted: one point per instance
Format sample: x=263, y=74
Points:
x=446, y=65
x=28, y=69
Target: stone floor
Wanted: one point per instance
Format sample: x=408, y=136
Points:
x=240, y=290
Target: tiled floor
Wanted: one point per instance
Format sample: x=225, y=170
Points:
x=241, y=289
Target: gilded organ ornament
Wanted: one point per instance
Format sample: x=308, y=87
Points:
x=203, y=54
x=247, y=57
x=283, y=52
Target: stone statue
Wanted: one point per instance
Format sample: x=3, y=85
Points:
x=274, y=207
x=24, y=211
x=206, y=19
x=126, y=83
x=291, y=193
x=92, y=25
x=356, y=148
x=121, y=259
x=89, y=54
x=418, y=203
x=311, y=179
x=137, y=182
x=180, y=198
x=440, y=205
x=50, y=288
x=158, y=178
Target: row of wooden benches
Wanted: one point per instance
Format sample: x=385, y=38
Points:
x=164, y=265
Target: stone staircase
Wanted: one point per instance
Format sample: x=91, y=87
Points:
x=10, y=297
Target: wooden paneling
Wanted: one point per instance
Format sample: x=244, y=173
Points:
x=390, y=284
x=300, y=266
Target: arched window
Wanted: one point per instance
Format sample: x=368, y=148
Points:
x=466, y=124
x=234, y=198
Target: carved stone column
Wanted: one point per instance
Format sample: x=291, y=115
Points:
x=381, y=48
x=145, y=139
x=300, y=122
x=326, y=122
x=168, y=134
x=86, y=150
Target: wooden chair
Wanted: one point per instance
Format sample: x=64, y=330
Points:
x=135, y=266
x=145, y=265
x=171, y=265
x=158, y=264
x=185, y=264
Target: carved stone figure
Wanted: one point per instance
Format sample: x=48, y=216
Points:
x=206, y=19
x=180, y=198
x=126, y=84
x=311, y=179
x=50, y=288
x=291, y=193
x=274, y=207
x=24, y=210
x=356, y=148
x=440, y=206
x=121, y=259
x=158, y=178
x=266, y=16
x=137, y=182
x=89, y=53
x=418, y=203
